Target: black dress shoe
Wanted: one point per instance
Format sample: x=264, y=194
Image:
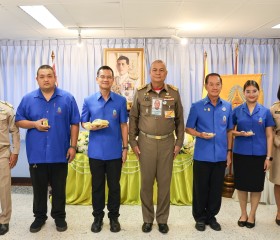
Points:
x=4, y=228
x=250, y=225
x=97, y=225
x=61, y=225
x=163, y=228
x=115, y=225
x=277, y=221
x=242, y=223
x=36, y=225
x=215, y=226
x=147, y=227
x=200, y=226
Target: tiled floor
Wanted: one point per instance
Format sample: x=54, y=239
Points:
x=181, y=223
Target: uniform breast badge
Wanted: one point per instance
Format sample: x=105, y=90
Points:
x=169, y=114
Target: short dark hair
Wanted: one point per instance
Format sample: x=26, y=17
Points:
x=45, y=67
x=251, y=83
x=124, y=58
x=213, y=74
x=278, y=93
x=105, y=68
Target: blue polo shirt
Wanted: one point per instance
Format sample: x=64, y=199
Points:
x=106, y=143
x=61, y=111
x=260, y=119
x=204, y=117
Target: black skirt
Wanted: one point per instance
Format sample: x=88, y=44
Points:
x=249, y=172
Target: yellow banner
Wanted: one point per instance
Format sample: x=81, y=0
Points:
x=232, y=90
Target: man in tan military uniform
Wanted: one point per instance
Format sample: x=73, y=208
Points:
x=155, y=114
x=7, y=161
x=274, y=174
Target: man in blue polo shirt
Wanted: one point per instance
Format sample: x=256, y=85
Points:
x=210, y=121
x=51, y=117
x=107, y=149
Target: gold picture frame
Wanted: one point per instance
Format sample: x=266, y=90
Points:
x=128, y=67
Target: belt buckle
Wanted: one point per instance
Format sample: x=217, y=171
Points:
x=157, y=137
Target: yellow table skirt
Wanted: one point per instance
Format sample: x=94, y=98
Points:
x=78, y=186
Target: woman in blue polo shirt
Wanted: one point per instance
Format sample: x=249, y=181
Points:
x=252, y=151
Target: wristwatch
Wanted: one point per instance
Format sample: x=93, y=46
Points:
x=229, y=150
x=269, y=158
x=125, y=148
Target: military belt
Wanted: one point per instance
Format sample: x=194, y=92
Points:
x=155, y=136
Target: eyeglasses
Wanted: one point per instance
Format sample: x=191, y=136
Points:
x=106, y=77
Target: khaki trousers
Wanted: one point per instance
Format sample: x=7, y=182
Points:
x=5, y=190
x=156, y=162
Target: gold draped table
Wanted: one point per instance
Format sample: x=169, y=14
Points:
x=78, y=186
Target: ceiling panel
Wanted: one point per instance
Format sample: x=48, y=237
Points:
x=144, y=18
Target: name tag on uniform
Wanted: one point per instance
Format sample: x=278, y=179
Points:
x=169, y=114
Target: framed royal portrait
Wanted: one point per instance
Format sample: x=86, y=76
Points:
x=128, y=67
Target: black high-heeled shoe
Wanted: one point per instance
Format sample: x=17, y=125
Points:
x=277, y=221
x=242, y=223
x=251, y=225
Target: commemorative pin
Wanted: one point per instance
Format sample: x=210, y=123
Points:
x=224, y=119
x=114, y=112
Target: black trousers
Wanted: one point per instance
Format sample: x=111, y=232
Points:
x=54, y=174
x=100, y=170
x=208, y=181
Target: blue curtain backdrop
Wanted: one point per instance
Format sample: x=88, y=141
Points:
x=76, y=66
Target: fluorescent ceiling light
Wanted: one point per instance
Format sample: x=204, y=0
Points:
x=276, y=26
x=190, y=26
x=43, y=16
x=183, y=41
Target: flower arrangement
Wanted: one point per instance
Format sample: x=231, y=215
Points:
x=188, y=145
x=82, y=145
